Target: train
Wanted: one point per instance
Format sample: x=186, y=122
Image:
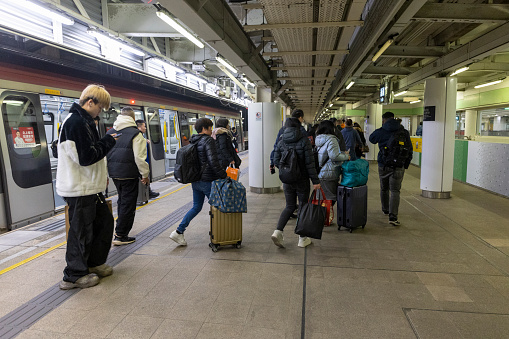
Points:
x=34, y=105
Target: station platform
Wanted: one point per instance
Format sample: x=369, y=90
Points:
x=444, y=273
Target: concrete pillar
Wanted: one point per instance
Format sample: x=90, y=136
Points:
x=373, y=121
x=470, y=123
x=414, y=124
x=264, y=122
x=438, y=137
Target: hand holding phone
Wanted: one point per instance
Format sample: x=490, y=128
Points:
x=116, y=135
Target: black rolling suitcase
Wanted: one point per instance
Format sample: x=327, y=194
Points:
x=142, y=194
x=352, y=207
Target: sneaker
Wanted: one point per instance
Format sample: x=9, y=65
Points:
x=117, y=241
x=385, y=212
x=153, y=194
x=178, y=238
x=304, y=241
x=394, y=221
x=101, y=270
x=277, y=238
x=88, y=280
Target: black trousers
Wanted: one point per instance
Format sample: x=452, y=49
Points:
x=126, y=205
x=90, y=233
x=298, y=190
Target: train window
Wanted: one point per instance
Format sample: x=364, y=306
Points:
x=108, y=118
x=21, y=126
x=154, y=125
x=494, y=122
x=187, y=121
x=168, y=128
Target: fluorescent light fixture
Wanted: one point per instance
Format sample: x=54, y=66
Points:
x=46, y=12
x=350, y=85
x=164, y=15
x=331, y=105
x=225, y=63
x=382, y=49
x=103, y=39
x=400, y=93
x=489, y=84
x=459, y=70
x=414, y=102
x=248, y=82
x=13, y=102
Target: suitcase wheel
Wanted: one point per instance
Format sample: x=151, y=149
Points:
x=363, y=226
x=237, y=245
x=351, y=230
x=213, y=247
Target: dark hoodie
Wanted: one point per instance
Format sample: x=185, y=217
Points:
x=207, y=153
x=293, y=138
x=382, y=135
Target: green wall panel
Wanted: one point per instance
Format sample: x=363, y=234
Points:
x=495, y=97
x=355, y=112
x=460, y=160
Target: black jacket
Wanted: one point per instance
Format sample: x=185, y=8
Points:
x=339, y=135
x=207, y=153
x=121, y=162
x=382, y=135
x=225, y=151
x=293, y=137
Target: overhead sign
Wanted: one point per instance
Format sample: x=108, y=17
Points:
x=429, y=113
x=23, y=137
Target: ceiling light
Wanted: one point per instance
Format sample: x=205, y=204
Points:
x=400, y=93
x=331, y=105
x=414, y=102
x=248, y=82
x=462, y=69
x=167, y=17
x=225, y=63
x=382, y=49
x=103, y=39
x=489, y=83
x=46, y=12
x=350, y=85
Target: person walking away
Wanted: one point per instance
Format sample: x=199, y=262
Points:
x=298, y=114
x=225, y=152
x=338, y=134
x=389, y=137
x=142, y=127
x=207, y=153
x=126, y=164
x=352, y=138
x=359, y=150
x=81, y=178
x=293, y=138
x=330, y=159
x=418, y=132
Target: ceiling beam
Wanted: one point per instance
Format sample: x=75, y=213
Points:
x=463, y=13
x=353, y=23
x=413, y=52
x=289, y=68
x=304, y=78
x=488, y=67
x=367, y=82
x=283, y=53
x=283, y=88
x=384, y=70
x=268, y=38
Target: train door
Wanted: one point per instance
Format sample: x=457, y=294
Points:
x=26, y=170
x=169, y=130
x=156, y=146
x=105, y=124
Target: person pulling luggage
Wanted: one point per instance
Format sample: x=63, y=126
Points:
x=294, y=158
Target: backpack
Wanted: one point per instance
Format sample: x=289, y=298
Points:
x=289, y=170
x=396, y=153
x=188, y=167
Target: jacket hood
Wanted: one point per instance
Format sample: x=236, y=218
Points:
x=292, y=135
x=322, y=139
x=391, y=125
x=221, y=130
x=123, y=121
x=196, y=137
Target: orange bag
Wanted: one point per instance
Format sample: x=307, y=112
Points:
x=233, y=173
x=329, y=217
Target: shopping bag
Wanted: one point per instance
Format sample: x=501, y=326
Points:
x=310, y=220
x=233, y=172
x=228, y=196
x=329, y=218
x=355, y=173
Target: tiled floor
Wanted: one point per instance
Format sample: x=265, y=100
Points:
x=444, y=273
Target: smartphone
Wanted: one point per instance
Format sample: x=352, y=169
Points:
x=116, y=135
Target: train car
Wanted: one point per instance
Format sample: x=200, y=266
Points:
x=33, y=111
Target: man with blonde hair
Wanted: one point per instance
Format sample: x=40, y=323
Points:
x=81, y=179
x=127, y=166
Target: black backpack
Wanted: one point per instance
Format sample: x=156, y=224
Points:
x=188, y=167
x=289, y=170
x=396, y=153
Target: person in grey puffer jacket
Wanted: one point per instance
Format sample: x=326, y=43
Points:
x=330, y=159
x=293, y=138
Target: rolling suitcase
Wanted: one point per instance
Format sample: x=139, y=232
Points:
x=142, y=194
x=225, y=229
x=352, y=207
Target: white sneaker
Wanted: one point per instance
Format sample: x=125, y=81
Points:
x=304, y=241
x=178, y=238
x=277, y=238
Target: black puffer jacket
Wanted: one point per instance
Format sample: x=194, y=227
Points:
x=225, y=151
x=293, y=138
x=207, y=153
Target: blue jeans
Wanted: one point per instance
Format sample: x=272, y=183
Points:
x=201, y=189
